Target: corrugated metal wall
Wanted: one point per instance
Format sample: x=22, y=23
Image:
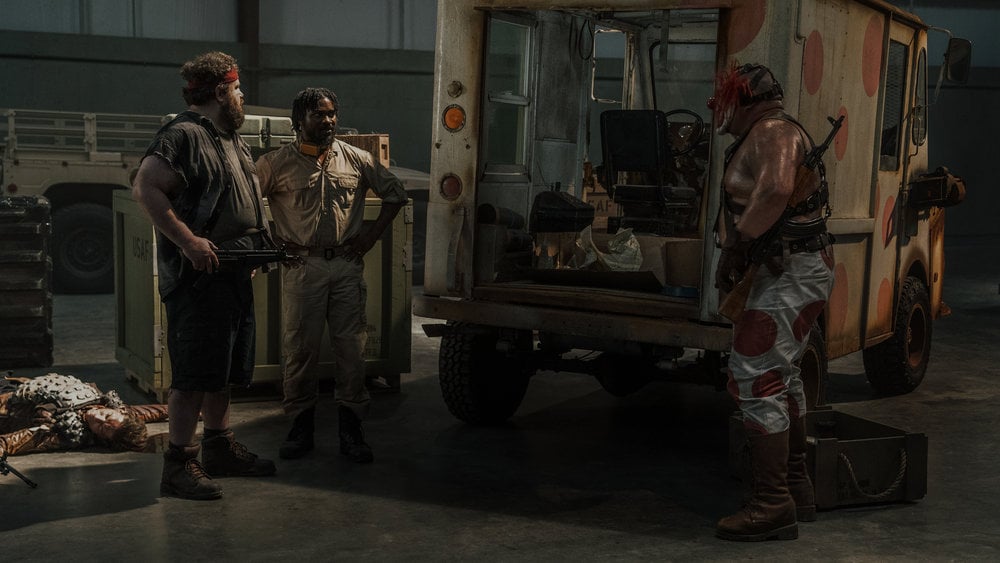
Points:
x=368, y=24
x=123, y=56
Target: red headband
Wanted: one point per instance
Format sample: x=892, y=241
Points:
x=232, y=76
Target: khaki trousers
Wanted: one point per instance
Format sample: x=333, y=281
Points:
x=324, y=294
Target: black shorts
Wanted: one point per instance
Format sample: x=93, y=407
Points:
x=211, y=333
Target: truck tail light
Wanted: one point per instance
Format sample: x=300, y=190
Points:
x=451, y=186
x=453, y=118
x=12, y=188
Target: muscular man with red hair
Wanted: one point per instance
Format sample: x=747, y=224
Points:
x=786, y=297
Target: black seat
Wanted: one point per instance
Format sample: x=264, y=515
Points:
x=637, y=169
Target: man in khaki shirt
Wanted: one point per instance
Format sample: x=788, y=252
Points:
x=316, y=190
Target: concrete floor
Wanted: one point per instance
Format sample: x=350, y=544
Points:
x=575, y=475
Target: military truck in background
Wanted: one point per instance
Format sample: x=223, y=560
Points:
x=541, y=108
x=77, y=160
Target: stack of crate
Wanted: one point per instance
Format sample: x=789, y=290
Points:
x=25, y=274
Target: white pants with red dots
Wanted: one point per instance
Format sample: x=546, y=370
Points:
x=771, y=336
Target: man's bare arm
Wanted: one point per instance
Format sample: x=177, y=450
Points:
x=775, y=152
x=153, y=184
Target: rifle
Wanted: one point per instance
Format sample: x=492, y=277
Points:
x=253, y=258
x=5, y=468
x=734, y=303
x=248, y=259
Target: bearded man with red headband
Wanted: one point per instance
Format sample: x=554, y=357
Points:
x=786, y=297
x=199, y=187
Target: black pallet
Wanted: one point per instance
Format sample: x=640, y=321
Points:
x=25, y=279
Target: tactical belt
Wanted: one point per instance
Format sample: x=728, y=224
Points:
x=328, y=252
x=813, y=243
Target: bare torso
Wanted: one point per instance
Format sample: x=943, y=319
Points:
x=761, y=175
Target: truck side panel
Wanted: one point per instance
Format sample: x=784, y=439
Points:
x=836, y=64
x=457, y=71
x=841, y=48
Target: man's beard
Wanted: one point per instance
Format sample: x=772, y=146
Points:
x=232, y=115
x=325, y=138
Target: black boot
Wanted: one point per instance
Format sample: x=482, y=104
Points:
x=352, y=437
x=300, y=438
x=183, y=477
x=223, y=456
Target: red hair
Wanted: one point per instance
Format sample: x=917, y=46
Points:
x=731, y=87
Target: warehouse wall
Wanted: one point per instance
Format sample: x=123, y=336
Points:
x=380, y=90
x=123, y=56
x=962, y=121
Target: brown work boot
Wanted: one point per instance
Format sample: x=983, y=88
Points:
x=183, y=477
x=799, y=484
x=300, y=438
x=223, y=456
x=769, y=514
x=352, y=437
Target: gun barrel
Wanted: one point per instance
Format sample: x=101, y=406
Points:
x=816, y=154
x=6, y=468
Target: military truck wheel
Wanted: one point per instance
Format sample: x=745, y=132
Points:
x=897, y=365
x=82, y=250
x=814, y=370
x=481, y=384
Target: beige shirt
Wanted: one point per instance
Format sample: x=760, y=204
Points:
x=319, y=206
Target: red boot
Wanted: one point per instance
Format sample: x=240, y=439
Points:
x=799, y=484
x=769, y=514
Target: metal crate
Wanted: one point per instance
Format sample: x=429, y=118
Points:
x=852, y=461
x=141, y=316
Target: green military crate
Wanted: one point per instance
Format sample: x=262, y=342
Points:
x=141, y=344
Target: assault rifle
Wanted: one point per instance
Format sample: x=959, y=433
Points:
x=253, y=258
x=5, y=468
x=248, y=259
x=735, y=301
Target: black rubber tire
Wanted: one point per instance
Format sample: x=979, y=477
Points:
x=479, y=384
x=814, y=365
x=620, y=375
x=82, y=249
x=898, y=365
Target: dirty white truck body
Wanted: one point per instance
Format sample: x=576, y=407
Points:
x=519, y=92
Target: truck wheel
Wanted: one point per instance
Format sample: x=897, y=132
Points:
x=815, y=373
x=82, y=249
x=480, y=384
x=621, y=375
x=897, y=365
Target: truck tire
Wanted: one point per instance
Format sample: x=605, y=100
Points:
x=897, y=365
x=814, y=368
x=479, y=384
x=82, y=249
x=621, y=375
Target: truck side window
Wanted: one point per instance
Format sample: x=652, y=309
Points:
x=892, y=110
x=507, y=88
x=920, y=100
